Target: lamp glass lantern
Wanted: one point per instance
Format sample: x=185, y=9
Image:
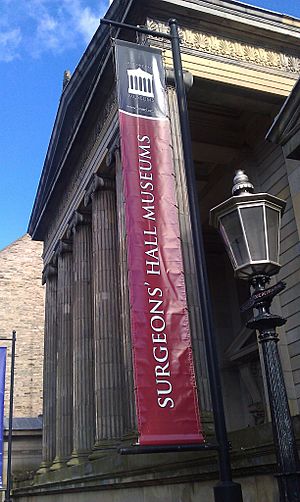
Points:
x=250, y=227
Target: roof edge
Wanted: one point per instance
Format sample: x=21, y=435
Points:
x=277, y=131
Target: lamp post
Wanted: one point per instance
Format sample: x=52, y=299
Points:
x=250, y=227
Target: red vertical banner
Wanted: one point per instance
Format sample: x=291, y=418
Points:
x=165, y=389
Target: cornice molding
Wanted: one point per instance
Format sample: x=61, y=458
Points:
x=110, y=109
x=234, y=50
x=83, y=170
x=247, y=17
x=287, y=122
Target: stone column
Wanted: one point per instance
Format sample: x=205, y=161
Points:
x=64, y=402
x=189, y=266
x=108, y=347
x=130, y=409
x=83, y=350
x=49, y=372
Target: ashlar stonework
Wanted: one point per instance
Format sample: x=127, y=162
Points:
x=22, y=309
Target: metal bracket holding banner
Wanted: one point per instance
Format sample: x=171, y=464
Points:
x=226, y=490
x=178, y=448
x=10, y=418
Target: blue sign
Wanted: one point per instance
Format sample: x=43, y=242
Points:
x=2, y=390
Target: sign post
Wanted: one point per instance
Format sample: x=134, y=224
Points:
x=2, y=392
x=11, y=405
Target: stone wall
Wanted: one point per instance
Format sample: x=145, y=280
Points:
x=22, y=309
x=260, y=488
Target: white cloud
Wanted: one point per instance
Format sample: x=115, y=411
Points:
x=47, y=33
x=47, y=25
x=9, y=44
x=88, y=24
x=83, y=18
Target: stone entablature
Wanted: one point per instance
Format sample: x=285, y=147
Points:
x=232, y=49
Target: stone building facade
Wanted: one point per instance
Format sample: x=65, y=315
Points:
x=22, y=309
x=244, y=62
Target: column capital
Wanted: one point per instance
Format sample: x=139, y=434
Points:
x=63, y=246
x=78, y=218
x=96, y=184
x=49, y=270
x=113, y=154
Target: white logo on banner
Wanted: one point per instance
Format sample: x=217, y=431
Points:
x=140, y=82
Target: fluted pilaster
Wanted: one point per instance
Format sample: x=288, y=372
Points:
x=108, y=348
x=64, y=402
x=189, y=264
x=130, y=409
x=49, y=371
x=83, y=350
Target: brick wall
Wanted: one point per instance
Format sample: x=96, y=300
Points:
x=22, y=309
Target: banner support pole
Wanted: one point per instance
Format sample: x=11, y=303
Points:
x=226, y=490
x=10, y=419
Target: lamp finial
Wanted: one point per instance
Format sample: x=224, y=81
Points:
x=241, y=183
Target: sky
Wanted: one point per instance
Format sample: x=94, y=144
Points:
x=39, y=40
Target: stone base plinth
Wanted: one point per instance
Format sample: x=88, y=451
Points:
x=104, y=448
x=171, y=477
x=58, y=463
x=78, y=458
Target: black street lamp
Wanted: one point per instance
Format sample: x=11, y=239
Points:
x=250, y=227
